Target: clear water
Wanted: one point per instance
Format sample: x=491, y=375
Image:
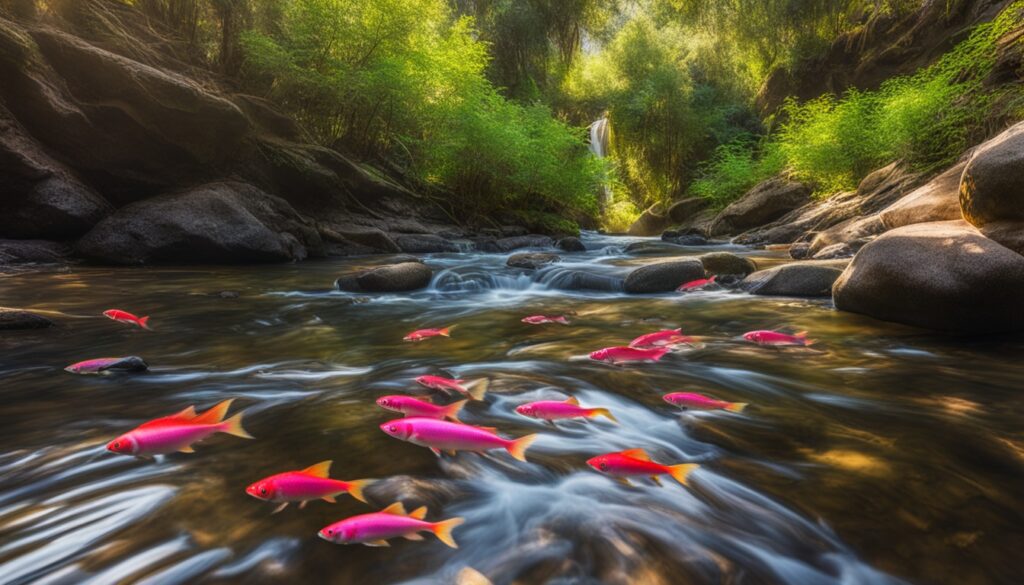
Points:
x=879, y=455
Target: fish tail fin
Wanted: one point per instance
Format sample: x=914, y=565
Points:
x=356, y=487
x=679, y=472
x=736, y=406
x=518, y=447
x=144, y=322
x=605, y=413
x=452, y=410
x=447, y=331
x=233, y=426
x=660, y=353
x=562, y=320
x=443, y=530
x=215, y=414
x=478, y=388
x=802, y=336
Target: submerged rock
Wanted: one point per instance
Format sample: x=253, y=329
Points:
x=402, y=277
x=21, y=319
x=721, y=263
x=663, y=277
x=766, y=202
x=942, y=275
x=799, y=279
x=571, y=244
x=532, y=260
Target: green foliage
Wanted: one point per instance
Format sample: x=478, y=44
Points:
x=405, y=81
x=735, y=168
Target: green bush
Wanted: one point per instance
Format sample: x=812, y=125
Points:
x=735, y=168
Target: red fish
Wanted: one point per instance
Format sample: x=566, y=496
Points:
x=178, y=432
x=637, y=463
x=701, y=402
x=391, y=522
x=696, y=284
x=474, y=390
x=421, y=334
x=618, y=355
x=126, y=317
x=410, y=406
x=103, y=365
x=441, y=435
x=552, y=410
x=542, y=319
x=774, y=338
x=663, y=338
x=312, y=483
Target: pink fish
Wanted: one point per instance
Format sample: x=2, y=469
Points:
x=474, y=390
x=696, y=284
x=701, y=402
x=312, y=483
x=441, y=435
x=126, y=317
x=663, y=338
x=552, y=410
x=103, y=365
x=178, y=432
x=421, y=334
x=410, y=406
x=637, y=463
x=617, y=355
x=542, y=319
x=391, y=522
x=774, y=338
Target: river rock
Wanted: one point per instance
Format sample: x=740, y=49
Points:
x=32, y=252
x=527, y=241
x=839, y=250
x=799, y=279
x=722, y=263
x=847, y=232
x=650, y=223
x=663, y=276
x=936, y=200
x=402, y=277
x=216, y=223
x=767, y=201
x=532, y=260
x=992, y=186
x=684, y=209
x=20, y=319
x=942, y=275
x=579, y=280
x=424, y=244
x=651, y=248
x=800, y=250
x=571, y=244
x=373, y=238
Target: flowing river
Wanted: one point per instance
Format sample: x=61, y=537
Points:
x=880, y=454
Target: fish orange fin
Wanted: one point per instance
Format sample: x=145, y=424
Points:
x=736, y=406
x=517, y=448
x=447, y=331
x=413, y=536
x=187, y=449
x=233, y=426
x=656, y=481
x=452, y=410
x=186, y=414
x=377, y=543
x=679, y=472
x=452, y=452
x=215, y=414
x=603, y=412
x=330, y=499
x=636, y=454
x=802, y=336
x=397, y=509
x=144, y=322
x=478, y=388
x=356, y=487
x=419, y=513
x=443, y=530
x=572, y=400
x=322, y=469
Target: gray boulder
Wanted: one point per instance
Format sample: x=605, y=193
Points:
x=685, y=209
x=571, y=244
x=942, y=275
x=402, y=277
x=32, y=252
x=579, y=280
x=839, y=250
x=19, y=319
x=424, y=244
x=936, y=200
x=992, y=186
x=719, y=263
x=766, y=202
x=663, y=277
x=532, y=260
x=527, y=241
x=799, y=279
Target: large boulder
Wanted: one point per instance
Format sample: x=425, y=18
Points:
x=532, y=260
x=943, y=275
x=571, y=244
x=766, y=202
x=685, y=209
x=32, y=252
x=402, y=277
x=992, y=186
x=372, y=238
x=579, y=280
x=663, y=276
x=726, y=263
x=798, y=279
x=936, y=200
x=216, y=223
x=650, y=223
x=20, y=319
x=424, y=244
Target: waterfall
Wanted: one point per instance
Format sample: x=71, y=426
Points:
x=599, y=134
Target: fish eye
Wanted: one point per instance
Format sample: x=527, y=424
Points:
x=393, y=428
x=263, y=491
x=117, y=444
x=330, y=532
x=603, y=466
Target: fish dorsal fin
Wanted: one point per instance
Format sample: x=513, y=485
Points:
x=419, y=513
x=215, y=414
x=636, y=454
x=186, y=414
x=492, y=430
x=572, y=400
x=322, y=469
x=397, y=509
x=678, y=330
